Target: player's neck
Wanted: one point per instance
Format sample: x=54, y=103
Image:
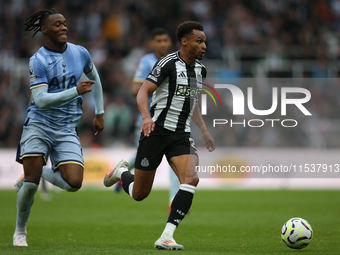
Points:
x=187, y=58
x=56, y=47
x=158, y=56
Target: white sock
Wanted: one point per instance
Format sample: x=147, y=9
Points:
x=131, y=189
x=121, y=170
x=169, y=230
x=20, y=230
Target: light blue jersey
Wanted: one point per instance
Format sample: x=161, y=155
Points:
x=58, y=71
x=146, y=64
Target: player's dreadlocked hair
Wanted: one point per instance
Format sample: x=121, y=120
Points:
x=35, y=20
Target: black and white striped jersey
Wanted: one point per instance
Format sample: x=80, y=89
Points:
x=179, y=86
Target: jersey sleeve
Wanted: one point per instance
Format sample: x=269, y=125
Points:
x=159, y=73
x=142, y=71
x=86, y=57
x=38, y=74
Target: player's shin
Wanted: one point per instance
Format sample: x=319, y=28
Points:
x=127, y=182
x=25, y=200
x=179, y=208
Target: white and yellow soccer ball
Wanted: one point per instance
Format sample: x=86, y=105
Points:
x=296, y=233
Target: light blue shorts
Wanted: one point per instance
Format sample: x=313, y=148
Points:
x=61, y=145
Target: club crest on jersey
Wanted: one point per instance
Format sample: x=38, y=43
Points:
x=156, y=71
x=31, y=70
x=64, y=65
x=199, y=77
x=144, y=162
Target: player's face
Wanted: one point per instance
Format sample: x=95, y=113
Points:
x=161, y=45
x=55, y=28
x=196, y=44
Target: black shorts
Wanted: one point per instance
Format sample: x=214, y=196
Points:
x=162, y=142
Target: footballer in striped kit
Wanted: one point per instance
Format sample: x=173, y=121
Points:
x=174, y=83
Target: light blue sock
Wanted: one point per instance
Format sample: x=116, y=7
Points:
x=25, y=200
x=55, y=178
x=174, y=185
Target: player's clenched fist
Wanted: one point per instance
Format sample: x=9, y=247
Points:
x=84, y=87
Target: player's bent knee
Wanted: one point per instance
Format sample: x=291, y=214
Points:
x=191, y=181
x=74, y=182
x=72, y=188
x=140, y=196
x=31, y=188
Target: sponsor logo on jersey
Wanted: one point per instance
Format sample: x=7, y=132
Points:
x=185, y=90
x=144, y=162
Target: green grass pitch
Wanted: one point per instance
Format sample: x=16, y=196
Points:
x=221, y=222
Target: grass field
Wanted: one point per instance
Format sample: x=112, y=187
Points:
x=221, y=222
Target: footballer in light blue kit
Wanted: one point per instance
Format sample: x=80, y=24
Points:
x=49, y=130
x=145, y=66
x=161, y=43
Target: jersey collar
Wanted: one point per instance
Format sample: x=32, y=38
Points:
x=177, y=52
x=57, y=51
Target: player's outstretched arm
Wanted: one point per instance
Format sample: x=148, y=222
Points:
x=143, y=105
x=44, y=100
x=97, y=94
x=209, y=142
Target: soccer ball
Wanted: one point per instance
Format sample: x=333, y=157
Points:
x=296, y=233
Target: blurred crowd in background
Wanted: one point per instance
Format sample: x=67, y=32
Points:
x=245, y=39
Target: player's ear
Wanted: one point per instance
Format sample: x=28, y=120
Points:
x=43, y=29
x=184, y=41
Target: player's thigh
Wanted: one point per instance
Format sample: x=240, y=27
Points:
x=33, y=150
x=67, y=150
x=183, y=158
x=33, y=168
x=151, y=150
x=143, y=182
x=147, y=160
x=72, y=173
x=185, y=168
x=67, y=156
x=34, y=141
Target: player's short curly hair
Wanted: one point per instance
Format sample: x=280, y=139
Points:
x=184, y=29
x=158, y=31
